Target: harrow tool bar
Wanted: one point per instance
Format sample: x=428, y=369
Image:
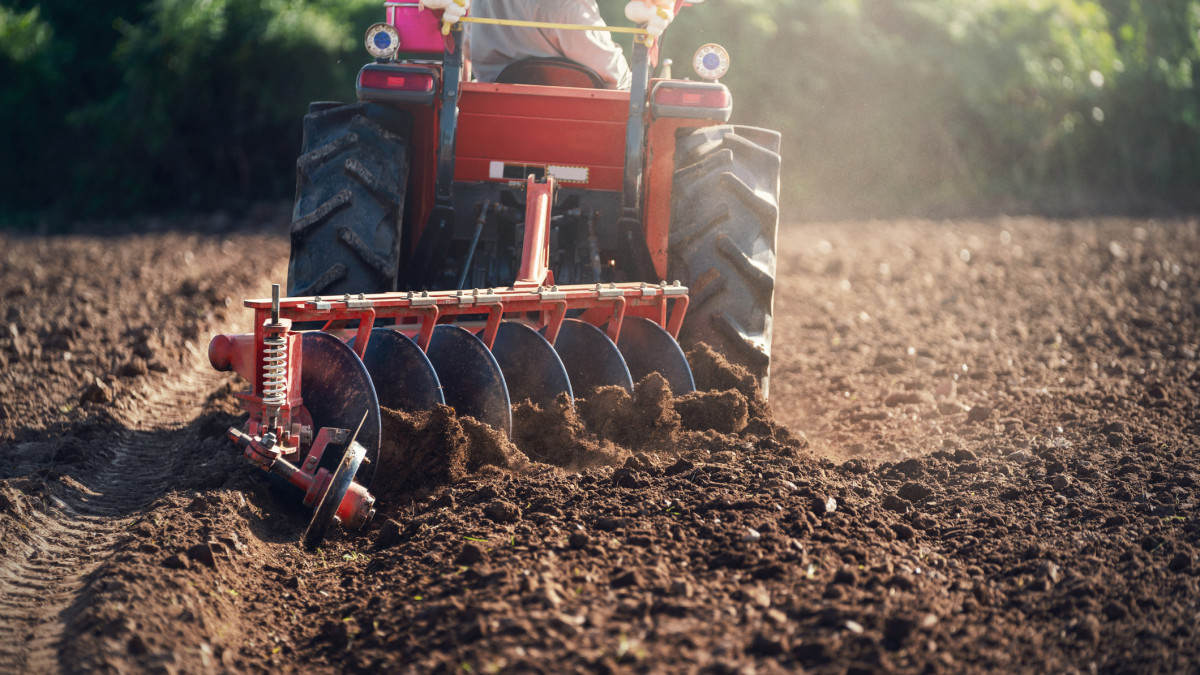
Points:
x=478, y=351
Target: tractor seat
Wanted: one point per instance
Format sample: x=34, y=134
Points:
x=551, y=73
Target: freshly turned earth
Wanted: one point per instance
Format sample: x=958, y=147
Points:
x=980, y=454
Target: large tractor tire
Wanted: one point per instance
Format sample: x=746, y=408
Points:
x=724, y=223
x=350, y=185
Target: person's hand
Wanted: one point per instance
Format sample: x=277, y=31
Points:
x=452, y=10
x=654, y=14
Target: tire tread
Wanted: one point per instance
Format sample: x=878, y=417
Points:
x=724, y=224
x=350, y=191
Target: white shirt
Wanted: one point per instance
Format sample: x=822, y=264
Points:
x=491, y=48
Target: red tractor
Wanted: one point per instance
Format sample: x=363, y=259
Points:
x=480, y=244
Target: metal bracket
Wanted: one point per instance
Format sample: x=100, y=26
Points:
x=674, y=289
x=551, y=293
x=610, y=292
x=488, y=297
x=421, y=300
x=359, y=302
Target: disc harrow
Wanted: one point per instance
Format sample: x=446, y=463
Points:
x=315, y=395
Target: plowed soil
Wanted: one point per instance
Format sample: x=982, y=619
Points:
x=980, y=454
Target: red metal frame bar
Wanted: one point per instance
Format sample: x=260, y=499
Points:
x=417, y=314
x=539, y=200
x=429, y=307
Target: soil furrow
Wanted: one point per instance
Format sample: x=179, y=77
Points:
x=65, y=529
x=135, y=477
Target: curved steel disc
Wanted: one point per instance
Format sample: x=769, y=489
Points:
x=471, y=379
x=339, y=485
x=337, y=390
x=648, y=348
x=591, y=359
x=403, y=376
x=530, y=365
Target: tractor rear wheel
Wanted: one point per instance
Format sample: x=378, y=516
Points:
x=350, y=185
x=724, y=223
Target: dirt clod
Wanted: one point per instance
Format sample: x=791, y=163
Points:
x=725, y=412
x=203, y=554
x=502, y=511
x=97, y=392
x=470, y=554
x=558, y=435
x=389, y=534
x=979, y=413
x=423, y=449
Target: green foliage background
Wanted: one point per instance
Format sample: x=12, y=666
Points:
x=887, y=106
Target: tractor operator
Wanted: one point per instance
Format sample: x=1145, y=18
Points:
x=491, y=48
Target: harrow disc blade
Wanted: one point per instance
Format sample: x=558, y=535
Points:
x=337, y=390
x=531, y=367
x=339, y=485
x=648, y=348
x=403, y=376
x=471, y=379
x=591, y=359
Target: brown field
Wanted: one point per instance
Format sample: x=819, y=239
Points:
x=980, y=454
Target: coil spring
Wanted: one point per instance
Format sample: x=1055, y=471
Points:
x=274, y=371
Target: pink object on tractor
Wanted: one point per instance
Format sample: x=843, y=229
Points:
x=420, y=29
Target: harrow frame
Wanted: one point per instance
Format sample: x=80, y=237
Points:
x=279, y=426
x=416, y=315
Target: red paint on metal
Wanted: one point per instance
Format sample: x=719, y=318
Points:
x=444, y=306
x=422, y=173
x=678, y=310
x=409, y=82
x=233, y=353
x=495, y=314
x=477, y=169
x=616, y=320
x=364, y=333
x=553, y=320
x=427, y=325
x=535, y=257
x=526, y=124
x=715, y=98
x=527, y=100
x=416, y=315
x=660, y=179
x=355, y=506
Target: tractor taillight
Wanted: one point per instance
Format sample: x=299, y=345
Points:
x=401, y=83
x=693, y=100
x=410, y=82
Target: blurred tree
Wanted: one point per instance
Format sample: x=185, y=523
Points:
x=168, y=104
x=1151, y=114
x=887, y=106
x=212, y=95
x=895, y=106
